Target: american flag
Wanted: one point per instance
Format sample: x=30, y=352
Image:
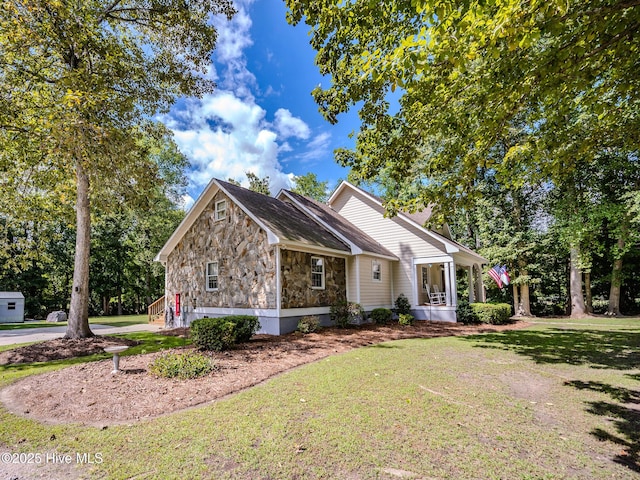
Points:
x=504, y=275
x=495, y=274
x=500, y=275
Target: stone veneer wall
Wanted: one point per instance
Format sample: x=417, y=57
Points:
x=246, y=262
x=296, y=280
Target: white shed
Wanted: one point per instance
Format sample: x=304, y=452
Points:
x=11, y=307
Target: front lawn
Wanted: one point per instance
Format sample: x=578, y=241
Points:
x=541, y=403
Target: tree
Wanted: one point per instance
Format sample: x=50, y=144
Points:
x=309, y=186
x=79, y=82
x=465, y=71
x=257, y=184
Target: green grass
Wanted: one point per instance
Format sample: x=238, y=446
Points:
x=114, y=321
x=599, y=321
x=541, y=403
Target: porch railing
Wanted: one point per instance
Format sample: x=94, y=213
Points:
x=156, y=309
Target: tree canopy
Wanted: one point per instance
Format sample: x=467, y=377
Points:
x=79, y=83
x=463, y=73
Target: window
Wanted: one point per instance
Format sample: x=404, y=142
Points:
x=212, y=276
x=376, y=271
x=317, y=273
x=11, y=306
x=221, y=210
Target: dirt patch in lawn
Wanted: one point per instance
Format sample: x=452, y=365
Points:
x=88, y=393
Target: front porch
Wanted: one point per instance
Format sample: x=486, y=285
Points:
x=435, y=295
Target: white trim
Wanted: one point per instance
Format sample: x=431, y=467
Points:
x=313, y=249
x=358, y=279
x=373, y=271
x=263, y=312
x=258, y=312
x=216, y=218
x=321, y=263
x=206, y=276
x=278, y=281
x=437, y=259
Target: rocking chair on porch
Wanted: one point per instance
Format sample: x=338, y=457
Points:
x=437, y=297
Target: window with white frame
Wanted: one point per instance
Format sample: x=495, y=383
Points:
x=212, y=276
x=11, y=306
x=221, y=210
x=425, y=279
x=376, y=271
x=317, y=273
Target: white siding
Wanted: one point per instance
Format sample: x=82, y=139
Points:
x=402, y=239
x=373, y=293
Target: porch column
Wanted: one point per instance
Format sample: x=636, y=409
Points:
x=450, y=283
x=472, y=284
x=480, y=293
x=453, y=293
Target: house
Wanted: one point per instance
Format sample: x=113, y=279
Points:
x=11, y=307
x=241, y=252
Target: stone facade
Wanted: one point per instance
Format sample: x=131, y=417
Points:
x=296, y=280
x=246, y=262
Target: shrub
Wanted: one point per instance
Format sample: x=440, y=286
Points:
x=465, y=314
x=181, y=365
x=402, y=305
x=493, y=313
x=405, y=319
x=246, y=326
x=381, y=315
x=221, y=333
x=309, y=324
x=345, y=313
x=213, y=333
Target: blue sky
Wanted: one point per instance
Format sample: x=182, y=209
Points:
x=262, y=118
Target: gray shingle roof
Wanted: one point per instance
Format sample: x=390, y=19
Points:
x=341, y=225
x=283, y=219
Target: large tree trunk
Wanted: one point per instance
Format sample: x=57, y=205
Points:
x=587, y=292
x=525, y=306
x=616, y=281
x=516, y=300
x=78, y=325
x=575, y=284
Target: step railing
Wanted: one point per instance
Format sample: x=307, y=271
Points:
x=156, y=309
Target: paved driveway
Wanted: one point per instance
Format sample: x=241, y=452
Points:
x=27, y=335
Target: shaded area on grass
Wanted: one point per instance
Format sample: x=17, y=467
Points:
x=63, y=349
x=599, y=349
x=624, y=418
x=618, y=350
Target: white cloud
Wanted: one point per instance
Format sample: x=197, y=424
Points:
x=224, y=137
x=226, y=134
x=289, y=126
x=318, y=148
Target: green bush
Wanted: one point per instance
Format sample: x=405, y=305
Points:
x=246, y=326
x=402, y=305
x=213, y=333
x=465, y=314
x=221, y=333
x=345, y=313
x=492, y=313
x=309, y=324
x=381, y=315
x=405, y=319
x=181, y=365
